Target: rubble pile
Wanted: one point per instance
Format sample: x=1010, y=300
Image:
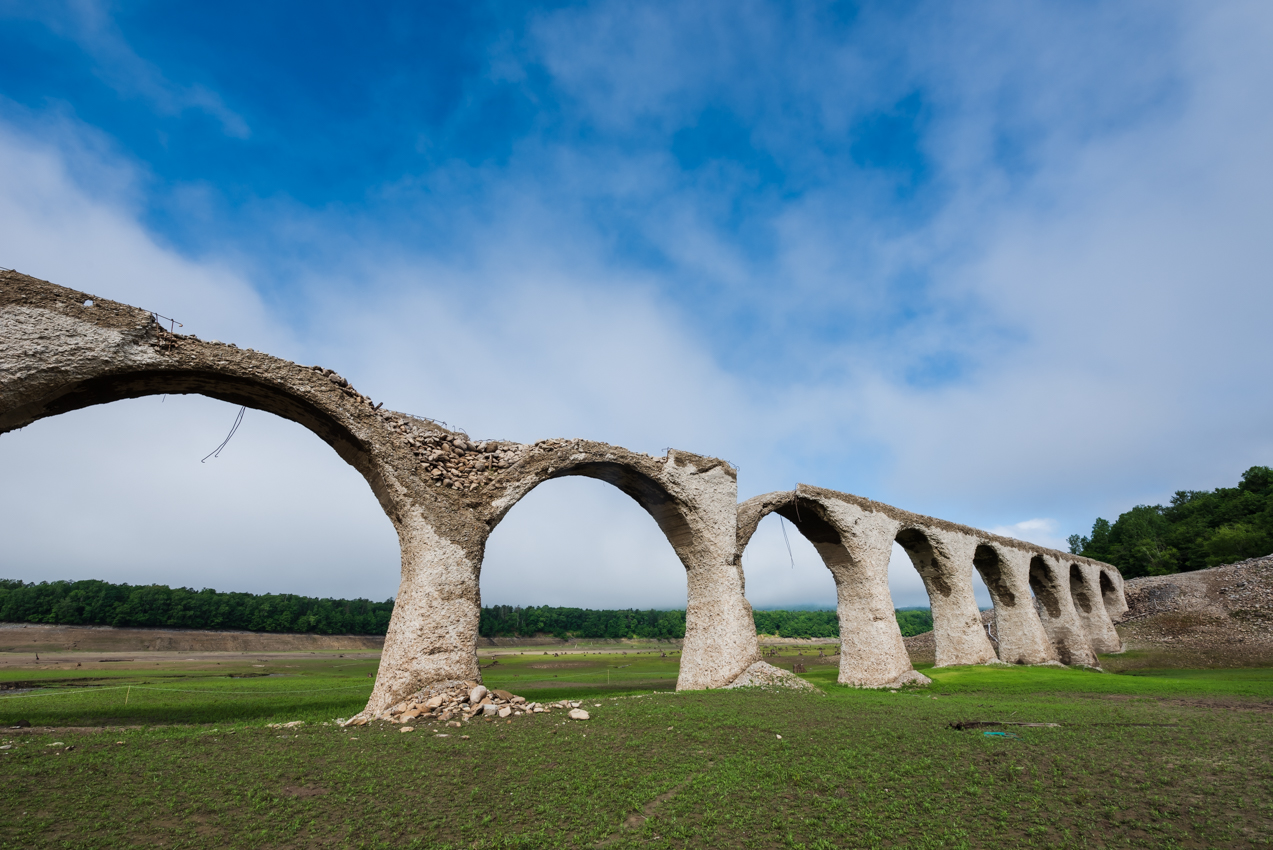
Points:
x=453, y=460
x=1228, y=590
x=1222, y=616
x=463, y=701
x=342, y=384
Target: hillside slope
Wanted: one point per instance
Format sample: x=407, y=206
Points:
x=1221, y=616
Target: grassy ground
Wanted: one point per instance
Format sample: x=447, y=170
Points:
x=1163, y=758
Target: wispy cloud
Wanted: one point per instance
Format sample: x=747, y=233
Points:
x=91, y=26
x=988, y=262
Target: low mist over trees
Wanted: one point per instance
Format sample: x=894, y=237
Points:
x=1198, y=529
x=100, y=603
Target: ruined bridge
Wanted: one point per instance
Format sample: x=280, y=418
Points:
x=62, y=350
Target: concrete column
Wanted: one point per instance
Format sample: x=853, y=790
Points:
x=1050, y=583
x=1022, y=638
x=1111, y=585
x=720, y=634
x=872, y=653
x=1085, y=590
x=432, y=636
x=944, y=561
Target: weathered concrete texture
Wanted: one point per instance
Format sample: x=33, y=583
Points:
x=1113, y=591
x=1049, y=579
x=854, y=537
x=855, y=546
x=944, y=561
x=62, y=350
x=1018, y=629
x=694, y=500
x=1089, y=604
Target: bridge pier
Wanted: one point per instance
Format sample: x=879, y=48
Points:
x=945, y=562
x=1051, y=587
x=1018, y=629
x=432, y=635
x=1085, y=590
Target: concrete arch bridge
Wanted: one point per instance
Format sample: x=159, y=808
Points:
x=62, y=350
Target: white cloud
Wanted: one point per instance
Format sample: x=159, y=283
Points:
x=118, y=492
x=1107, y=299
x=54, y=227
x=1042, y=531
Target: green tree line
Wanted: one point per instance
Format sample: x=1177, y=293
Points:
x=100, y=603
x=1199, y=529
x=512, y=621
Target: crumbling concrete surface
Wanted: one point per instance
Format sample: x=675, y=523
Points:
x=1035, y=618
x=62, y=350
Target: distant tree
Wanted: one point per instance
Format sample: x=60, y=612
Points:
x=1198, y=529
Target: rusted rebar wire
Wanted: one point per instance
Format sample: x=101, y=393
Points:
x=782, y=523
x=238, y=420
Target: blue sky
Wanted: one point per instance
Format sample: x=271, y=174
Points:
x=1004, y=263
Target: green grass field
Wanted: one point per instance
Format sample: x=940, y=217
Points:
x=180, y=756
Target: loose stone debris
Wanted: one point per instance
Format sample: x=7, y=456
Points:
x=765, y=675
x=454, y=702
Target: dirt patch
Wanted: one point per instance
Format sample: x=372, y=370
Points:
x=1225, y=704
x=1221, y=617
x=303, y=791
x=34, y=637
x=922, y=648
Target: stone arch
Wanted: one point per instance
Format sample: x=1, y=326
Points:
x=653, y=497
x=1108, y=590
x=77, y=394
x=945, y=560
x=1018, y=631
x=62, y=350
x=1078, y=592
x=1045, y=587
x=110, y=352
x=1056, y=610
x=693, y=499
x=855, y=550
x=1111, y=590
x=985, y=559
x=1085, y=590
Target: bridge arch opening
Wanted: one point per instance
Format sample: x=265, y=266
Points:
x=907, y=585
x=1044, y=585
x=577, y=543
x=989, y=566
x=116, y=492
x=1109, y=592
x=923, y=557
x=790, y=563
x=872, y=653
x=1078, y=590
x=577, y=538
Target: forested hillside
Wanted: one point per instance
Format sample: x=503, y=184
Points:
x=99, y=603
x=1199, y=529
